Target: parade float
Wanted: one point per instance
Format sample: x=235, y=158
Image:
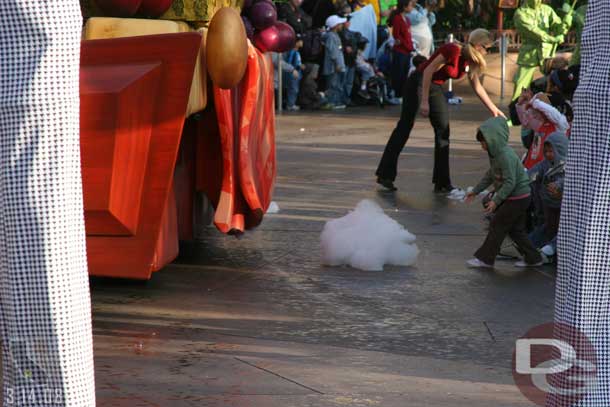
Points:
x=177, y=112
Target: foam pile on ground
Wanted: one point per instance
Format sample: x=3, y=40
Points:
x=366, y=239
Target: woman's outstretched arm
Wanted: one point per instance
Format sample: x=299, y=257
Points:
x=475, y=82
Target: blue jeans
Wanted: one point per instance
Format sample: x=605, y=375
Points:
x=349, y=84
x=291, y=85
x=366, y=72
x=537, y=238
x=334, y=93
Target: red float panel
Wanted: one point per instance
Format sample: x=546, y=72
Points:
x=133, y=256
x=114, y=143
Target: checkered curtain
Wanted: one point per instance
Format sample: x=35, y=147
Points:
x=45, y=311
x=583, y=283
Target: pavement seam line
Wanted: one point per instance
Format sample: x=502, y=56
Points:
x=277, y=375
x=547, y=275
x=493, y=338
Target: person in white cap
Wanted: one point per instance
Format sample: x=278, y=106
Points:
x=334, y=68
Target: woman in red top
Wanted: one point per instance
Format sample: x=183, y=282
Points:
x=403, y=44
x=423, y=91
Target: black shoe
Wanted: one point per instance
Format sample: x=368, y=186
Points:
x=443, y=189
x=386, y=183
x=363, y=94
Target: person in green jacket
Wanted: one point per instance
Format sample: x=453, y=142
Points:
x=511, y=197
x=578, y=24
x=541, y=31
x=386, y=7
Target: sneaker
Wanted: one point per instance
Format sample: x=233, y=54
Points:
x=363, y=94
x=293, y=108
x=387, y=184
x=339, y=107
x=478, y=264
x=443, y=189
x=548, y=250
x=523, y=264
x=326, y=106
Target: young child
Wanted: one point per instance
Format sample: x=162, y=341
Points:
x=548, y=66
x=334, y=63
x=364, y=69
x=537, y=114
x=547, y=186
x=510, y=200
x=349, y=42
x=280, y=66
x=383, y=61
x=384, y=57
x=563, y=81
x=293, y=79
x=309, y=97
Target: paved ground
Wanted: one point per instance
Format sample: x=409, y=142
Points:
x=259, y=322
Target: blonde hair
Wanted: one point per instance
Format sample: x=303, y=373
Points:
x=550, y=64
x=480, y=36
x=543, y=97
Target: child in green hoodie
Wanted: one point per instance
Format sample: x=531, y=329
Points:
x=510, y=200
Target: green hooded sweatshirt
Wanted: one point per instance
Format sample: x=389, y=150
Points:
x=507, y=173
x=540, y=28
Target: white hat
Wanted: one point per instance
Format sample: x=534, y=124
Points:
x=334, y=20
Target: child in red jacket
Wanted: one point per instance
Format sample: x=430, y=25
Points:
x=536, y=113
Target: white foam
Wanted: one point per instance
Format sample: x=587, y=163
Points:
x=366, y=239
x=458, y=194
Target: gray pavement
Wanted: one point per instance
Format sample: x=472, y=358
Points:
x=257, y=321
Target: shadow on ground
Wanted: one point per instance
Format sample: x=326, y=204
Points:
x=258, y=321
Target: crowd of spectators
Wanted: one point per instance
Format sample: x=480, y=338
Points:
x=351, y=52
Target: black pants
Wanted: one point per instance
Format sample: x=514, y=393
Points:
x=439, y=118
x=399, y=69
x=509, y=219
x=551, y=222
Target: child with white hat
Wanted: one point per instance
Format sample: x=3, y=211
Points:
x=334, y=68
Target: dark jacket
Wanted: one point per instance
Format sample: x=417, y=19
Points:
x=319, y=10
x=547, y=172
x=309, y=98
x=297, y=19
x=350, y=39
x=507, y=173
